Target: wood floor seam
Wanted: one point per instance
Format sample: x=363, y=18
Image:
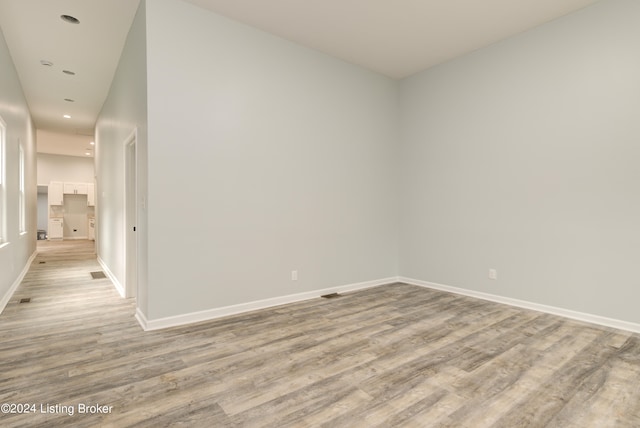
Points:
x=391, y=356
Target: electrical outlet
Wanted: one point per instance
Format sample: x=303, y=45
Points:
x=294, y=275
x=493, y=274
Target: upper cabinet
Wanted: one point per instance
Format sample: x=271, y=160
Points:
x=76, y=188
x=91, y=195
x=56, y=193
x=58, y=189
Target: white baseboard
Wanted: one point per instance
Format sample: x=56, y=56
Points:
x=112, y=277
x=567, y=313
x=210, y=314
x=142, y=320
x=9, y=294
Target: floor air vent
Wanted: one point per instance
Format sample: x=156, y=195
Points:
x=98, y=275
x=25, y=300
x=330, y=296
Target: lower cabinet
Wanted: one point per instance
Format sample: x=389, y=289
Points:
x=55, y=228
x=92, y=229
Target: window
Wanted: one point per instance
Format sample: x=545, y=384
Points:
x=3, y=200
x=23, y=200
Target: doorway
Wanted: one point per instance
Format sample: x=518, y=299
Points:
x=43, y=211
x=131, y=215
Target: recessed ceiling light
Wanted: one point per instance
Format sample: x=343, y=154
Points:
x=70, y=19
x=92, y=143
x=69, y=100
x=88, y=154
x=72, y=73
x=66, y=116
x=46, y=63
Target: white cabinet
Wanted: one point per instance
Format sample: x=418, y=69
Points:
x=69, y=188
x=92, y=229
x=56, y=193
x=55, y=228
x=82, y=188
x=76, y=188
x=91, y=195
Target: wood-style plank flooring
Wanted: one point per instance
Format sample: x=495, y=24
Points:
x=390, y=356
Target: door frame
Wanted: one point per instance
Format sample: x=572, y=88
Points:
x=131, y=244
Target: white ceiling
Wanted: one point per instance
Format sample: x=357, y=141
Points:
x=34, y=31
x=60, y=143
x=392, y=37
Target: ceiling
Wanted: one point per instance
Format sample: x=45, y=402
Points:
x=396, y=38
x=34, y=32
x=61, y=143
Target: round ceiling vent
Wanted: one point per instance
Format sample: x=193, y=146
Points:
x=70, y=19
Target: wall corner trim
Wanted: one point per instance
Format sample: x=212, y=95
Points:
x=5, y=299
x=142, y=320
x=211, y=314
x=112, y=277
x=566, y=313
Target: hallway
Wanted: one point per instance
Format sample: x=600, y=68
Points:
x=69, y=323
x=60, y=278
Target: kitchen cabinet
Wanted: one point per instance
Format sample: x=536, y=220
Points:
x=92, y=229
x=56, y=193
x=91, y=195
x=55, y=228
x=69, y=188
x=76, y=188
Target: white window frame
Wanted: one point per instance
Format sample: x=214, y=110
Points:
x=3, y=182
x=22, y=215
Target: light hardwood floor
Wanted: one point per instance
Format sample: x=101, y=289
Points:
x=390, y=356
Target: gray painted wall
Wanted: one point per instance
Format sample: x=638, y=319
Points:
x=20, y=131
x=523, y=157
x=264, y=157
x=123, y=112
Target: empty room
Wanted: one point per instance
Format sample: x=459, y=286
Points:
x=323, y=213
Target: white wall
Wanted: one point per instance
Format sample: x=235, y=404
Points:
x=264, y=157
x=523, y=157
x=123, y=112
x=76, y=220
x=72, y=169
x=15, y=255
